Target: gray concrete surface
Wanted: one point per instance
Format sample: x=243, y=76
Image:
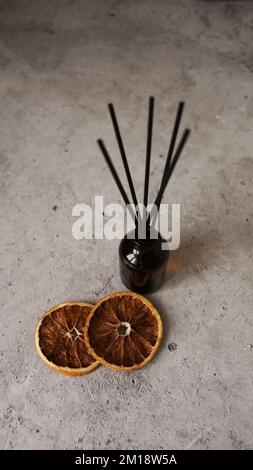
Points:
x=61, y=62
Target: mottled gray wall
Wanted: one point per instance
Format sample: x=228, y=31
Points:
x=61, y=62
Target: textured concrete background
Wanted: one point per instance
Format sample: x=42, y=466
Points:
x=61, y=62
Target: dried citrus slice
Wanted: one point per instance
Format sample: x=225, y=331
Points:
x=60, y=339
x=124, y=331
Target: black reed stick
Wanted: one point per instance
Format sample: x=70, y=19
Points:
x=168, y=169
x=115, y=176
x=148, y=150
x=173, y=140
x=177, y=154
x=122, y=152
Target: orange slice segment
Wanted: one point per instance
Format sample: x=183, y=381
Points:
x=60, y=339
x=124, y=331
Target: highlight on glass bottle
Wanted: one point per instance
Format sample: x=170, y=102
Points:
x=142, y=261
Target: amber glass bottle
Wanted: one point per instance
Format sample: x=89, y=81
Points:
x=142, y=263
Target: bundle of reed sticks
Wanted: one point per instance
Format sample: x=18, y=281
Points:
x=170, y=163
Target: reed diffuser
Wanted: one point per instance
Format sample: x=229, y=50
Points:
x=142, y=261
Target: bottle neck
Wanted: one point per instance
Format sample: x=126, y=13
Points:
x=144, y=244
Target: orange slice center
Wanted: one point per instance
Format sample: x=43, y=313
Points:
x=124, y=329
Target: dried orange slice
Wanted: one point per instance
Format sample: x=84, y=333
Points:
x=124, y=331
x=60, y=339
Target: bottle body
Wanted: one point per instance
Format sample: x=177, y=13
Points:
x=142, y=263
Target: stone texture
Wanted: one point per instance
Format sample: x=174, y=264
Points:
x=61, y=62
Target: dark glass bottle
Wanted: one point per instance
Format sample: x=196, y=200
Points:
x=142, y=263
